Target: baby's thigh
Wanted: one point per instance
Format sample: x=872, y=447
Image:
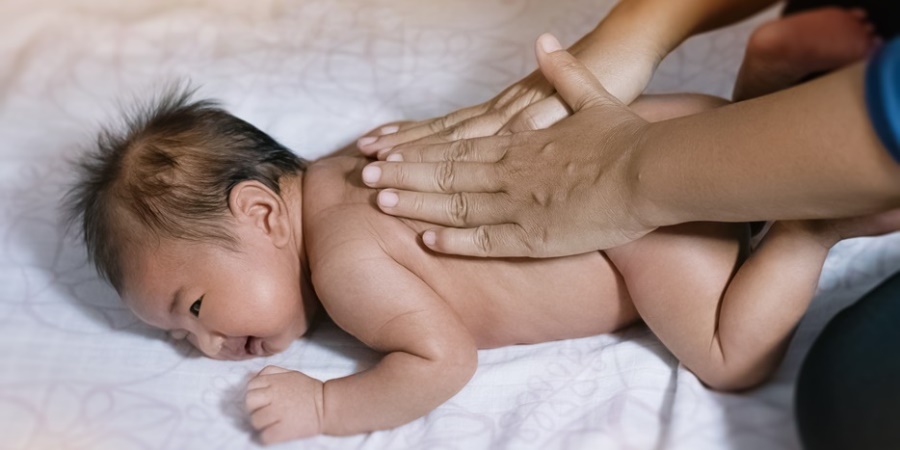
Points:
x=678, y=274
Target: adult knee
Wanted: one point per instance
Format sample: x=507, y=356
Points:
x=848, y=390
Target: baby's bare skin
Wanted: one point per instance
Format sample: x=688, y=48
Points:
x=500, y=301
x=725, y=315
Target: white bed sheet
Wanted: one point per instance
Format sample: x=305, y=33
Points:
x=77, y=371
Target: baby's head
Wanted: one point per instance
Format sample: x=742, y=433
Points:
x=193, y=215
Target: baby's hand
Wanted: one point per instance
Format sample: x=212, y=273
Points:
x=284, y=405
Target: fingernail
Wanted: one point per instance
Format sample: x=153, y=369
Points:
x=383, y=151
x=549, y=43
x=388, y=199
x=394, y=157
x=389, y=129
x=429, y=238
x=371, y=174
x=365, y=140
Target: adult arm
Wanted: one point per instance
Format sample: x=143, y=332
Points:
x=605, y=176
x=805, y=152
x=622, y=51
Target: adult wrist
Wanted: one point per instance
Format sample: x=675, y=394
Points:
x=641, y=183
x=620, y=52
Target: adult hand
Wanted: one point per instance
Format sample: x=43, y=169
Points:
x=529, y=104
x=565, y=190
x=623, y=60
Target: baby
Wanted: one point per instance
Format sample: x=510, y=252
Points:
x=210, y=229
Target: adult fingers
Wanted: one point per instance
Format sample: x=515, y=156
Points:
x=375, y=133
x=466, y=150
x=538, y=116
x=374, y=144
x=442, y=176
x=573, y=81
x=456, y=210
x=502, y=240
x=479, y=126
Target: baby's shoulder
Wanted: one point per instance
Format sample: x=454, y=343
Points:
x=334, y=186
x=338, y=208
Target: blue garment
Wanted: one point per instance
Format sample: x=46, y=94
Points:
x=883, y=95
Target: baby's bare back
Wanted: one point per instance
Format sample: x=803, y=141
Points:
x=501, y=301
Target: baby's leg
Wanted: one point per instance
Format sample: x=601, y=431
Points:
x=785, y=51
x=728, y=322
x=731, y=331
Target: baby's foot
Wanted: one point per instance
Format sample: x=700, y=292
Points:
x=783, y=52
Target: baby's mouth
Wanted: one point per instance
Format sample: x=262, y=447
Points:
x=254, y=346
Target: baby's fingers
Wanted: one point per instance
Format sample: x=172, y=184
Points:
x=264, y=417
x=271, y=370
x=277, y=432
x=256, y=399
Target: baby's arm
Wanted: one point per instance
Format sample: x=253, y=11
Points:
x=428, y=355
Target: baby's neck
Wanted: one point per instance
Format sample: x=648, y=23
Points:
x=292, y=194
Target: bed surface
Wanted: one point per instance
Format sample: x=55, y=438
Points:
x=78, y=371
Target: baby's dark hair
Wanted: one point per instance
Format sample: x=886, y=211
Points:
x=168, y=174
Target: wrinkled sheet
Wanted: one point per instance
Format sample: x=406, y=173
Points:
x=78, y=371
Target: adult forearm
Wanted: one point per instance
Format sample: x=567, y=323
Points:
x=806, y=152
x=628, y=44
x=656, y=27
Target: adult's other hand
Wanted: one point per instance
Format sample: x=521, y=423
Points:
x=565, y=190
x=619, y=52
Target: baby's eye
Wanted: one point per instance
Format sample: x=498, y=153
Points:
x=195, y=308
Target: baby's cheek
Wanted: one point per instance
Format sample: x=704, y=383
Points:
x=282, y=311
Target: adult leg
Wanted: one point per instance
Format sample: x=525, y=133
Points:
x=848, y=391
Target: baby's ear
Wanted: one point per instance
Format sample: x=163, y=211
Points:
x=253, y=203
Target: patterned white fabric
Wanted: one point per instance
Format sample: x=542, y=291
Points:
x=78, y=371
